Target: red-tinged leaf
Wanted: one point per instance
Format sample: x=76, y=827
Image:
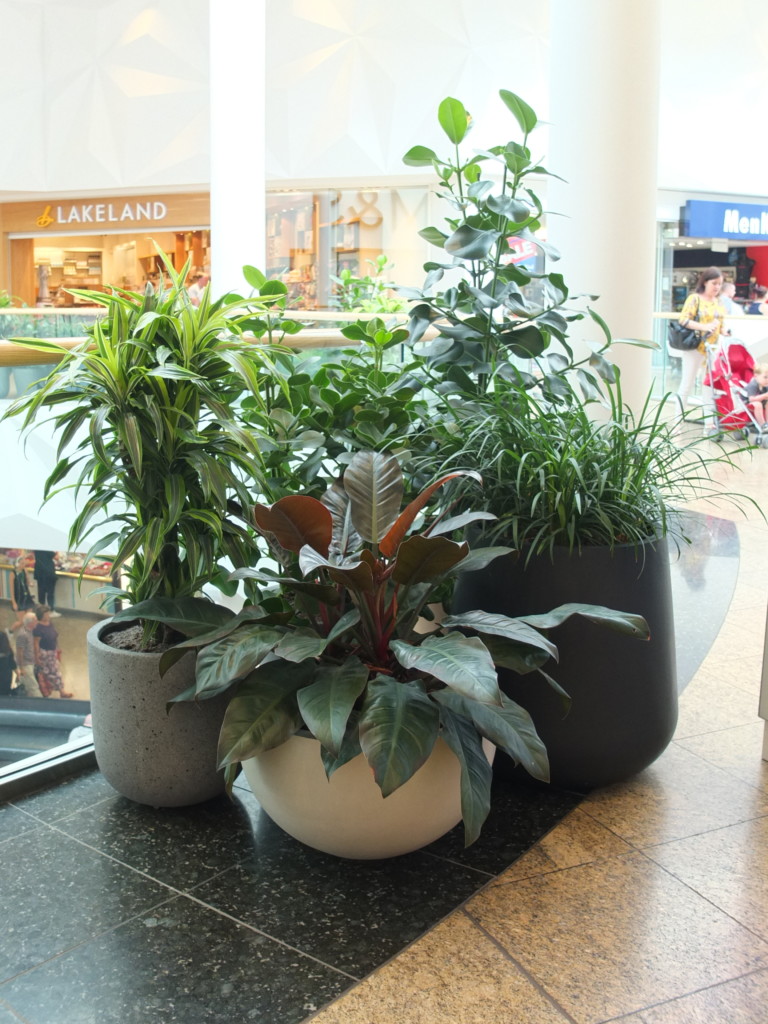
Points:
x=296, y=521
x=390, y=543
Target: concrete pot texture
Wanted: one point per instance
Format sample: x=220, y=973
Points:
x=150, y=755
x=346, y=815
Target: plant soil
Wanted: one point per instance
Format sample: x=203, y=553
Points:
x=130, y=639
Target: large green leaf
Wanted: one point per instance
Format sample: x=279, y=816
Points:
x=476, y=774
x=620, y=622
x=419, y=156
x=509, y=727
x=398, y=728
x=326, y=705
x=421, y=559
x=478, y=558
x=350, y=746
x=190, y=616
x=471, y=243
x=462, y=662
x=454, y=119
x=233, y=658
x=300, y=644
x=524, y=114
x=501, y=625
x=264, y=712
x=374, y=483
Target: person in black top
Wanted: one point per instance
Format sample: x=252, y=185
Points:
x=45, y=574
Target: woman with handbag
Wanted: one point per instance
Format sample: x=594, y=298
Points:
x=704, y=313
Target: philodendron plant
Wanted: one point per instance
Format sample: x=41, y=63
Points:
x=338, y=652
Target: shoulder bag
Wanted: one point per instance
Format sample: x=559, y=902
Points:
x=684, y=338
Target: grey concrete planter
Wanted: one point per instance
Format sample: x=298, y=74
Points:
x=148, y=755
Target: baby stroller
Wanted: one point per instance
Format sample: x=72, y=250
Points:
x=728, y=375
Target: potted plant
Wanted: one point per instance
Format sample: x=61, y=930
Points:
x=144, y=413
x=588, y=504
x=360, y=733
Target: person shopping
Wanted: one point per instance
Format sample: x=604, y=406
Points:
x=47, y=654
x=704, y=313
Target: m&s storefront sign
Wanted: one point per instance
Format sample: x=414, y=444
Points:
x=703, y=219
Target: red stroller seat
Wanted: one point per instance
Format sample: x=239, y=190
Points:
x=728, y=377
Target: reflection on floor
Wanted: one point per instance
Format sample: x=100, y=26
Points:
x=646, y=902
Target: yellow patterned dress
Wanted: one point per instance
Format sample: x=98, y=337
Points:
x=696, y=307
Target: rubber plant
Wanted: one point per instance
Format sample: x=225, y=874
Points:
x=336, y=650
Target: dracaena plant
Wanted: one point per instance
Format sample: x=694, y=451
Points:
x=144, y=411
x=338, y=653
x=495, y=306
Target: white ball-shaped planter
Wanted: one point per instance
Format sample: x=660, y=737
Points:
x=346, y=815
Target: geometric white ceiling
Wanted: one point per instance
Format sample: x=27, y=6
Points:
x=112, y=95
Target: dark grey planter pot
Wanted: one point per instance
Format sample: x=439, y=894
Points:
x=624, y=690
x=147, y=754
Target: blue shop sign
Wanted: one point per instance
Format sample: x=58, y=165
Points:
x=704, y=219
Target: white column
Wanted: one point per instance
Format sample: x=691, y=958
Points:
x=237, y=50
x=604, y=60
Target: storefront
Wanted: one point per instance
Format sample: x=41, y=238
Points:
x=54, y=245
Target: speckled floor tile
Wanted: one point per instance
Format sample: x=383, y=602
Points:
x=6, y=1017
x=710, y=704
x=737, y=751
x=679, y=795
x=179, y=846
x=578, y=839
x=180, y=964
x=742, y=1001
x=740, y=673
x=13, y=823
x=612, y=937
x=353, y=915
x=70, y=795
x=728, y=866
x=57, y=893
x=454, y=975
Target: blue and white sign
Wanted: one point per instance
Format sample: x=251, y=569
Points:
x=704, y=219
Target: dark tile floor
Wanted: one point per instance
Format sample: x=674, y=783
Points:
x=114, y=912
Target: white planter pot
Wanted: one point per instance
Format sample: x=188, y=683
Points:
x=346, y=815
x=149, y=755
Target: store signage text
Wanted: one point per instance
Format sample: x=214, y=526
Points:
x=704, y=219
x=103, y=213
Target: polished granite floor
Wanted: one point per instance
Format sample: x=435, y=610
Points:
x=645, y=902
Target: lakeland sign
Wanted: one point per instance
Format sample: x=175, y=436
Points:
x=149, y=212
x=703, y=219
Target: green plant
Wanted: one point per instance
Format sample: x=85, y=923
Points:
x=144, y=412
x=335, y=650
x=317, y=415
x=369, y=294
x=562, y=475
x=498, y=312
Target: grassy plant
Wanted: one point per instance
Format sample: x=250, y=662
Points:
x=562, y=475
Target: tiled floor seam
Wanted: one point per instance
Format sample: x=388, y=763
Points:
x=684, y=995
x=85, y=942
x=194, y=899
x=707, y=899
x=530, y=978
